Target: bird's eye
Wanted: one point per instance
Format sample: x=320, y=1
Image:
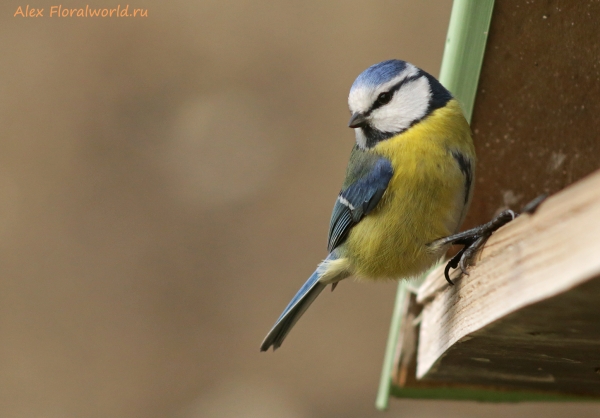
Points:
x=384, y=98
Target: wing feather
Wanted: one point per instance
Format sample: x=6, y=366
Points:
x=358, y=199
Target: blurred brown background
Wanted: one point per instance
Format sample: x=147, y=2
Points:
x=165, y=187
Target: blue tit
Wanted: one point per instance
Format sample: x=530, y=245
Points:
x=408, y=184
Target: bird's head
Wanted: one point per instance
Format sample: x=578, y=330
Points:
x=390, y=97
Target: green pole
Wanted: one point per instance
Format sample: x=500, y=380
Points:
x=461, y=66
x=465, y=46
x=383, y=394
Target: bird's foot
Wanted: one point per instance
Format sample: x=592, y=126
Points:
x=474, y=239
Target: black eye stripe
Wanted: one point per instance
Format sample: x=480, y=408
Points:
x=377, y=104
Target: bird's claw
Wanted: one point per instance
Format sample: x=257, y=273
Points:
x=474, y=239
x=532, y=206
x=452, y=264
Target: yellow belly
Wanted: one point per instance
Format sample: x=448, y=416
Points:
x=424, y=200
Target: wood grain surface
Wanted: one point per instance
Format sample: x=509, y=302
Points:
x=527, y=315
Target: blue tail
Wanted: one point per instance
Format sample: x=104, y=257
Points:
x=297, y=306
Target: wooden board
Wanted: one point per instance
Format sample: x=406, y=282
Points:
x=528, y=316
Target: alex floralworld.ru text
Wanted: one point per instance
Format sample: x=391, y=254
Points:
x=59, y=11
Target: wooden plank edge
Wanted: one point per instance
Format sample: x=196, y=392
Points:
x=520, y=265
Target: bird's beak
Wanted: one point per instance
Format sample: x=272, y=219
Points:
x=357, y=120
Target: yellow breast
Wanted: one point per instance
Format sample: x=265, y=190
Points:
x=424, y=200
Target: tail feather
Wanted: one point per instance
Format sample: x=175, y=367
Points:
x=297, y=306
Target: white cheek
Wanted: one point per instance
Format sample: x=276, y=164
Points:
x=409, y=104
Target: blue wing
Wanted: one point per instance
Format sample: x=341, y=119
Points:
x=358, y=199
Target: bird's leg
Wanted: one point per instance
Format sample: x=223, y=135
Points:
x=474, y=239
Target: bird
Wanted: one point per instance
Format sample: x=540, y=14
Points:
x=408, y=186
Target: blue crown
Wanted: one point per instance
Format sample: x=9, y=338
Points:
x=379, y=73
